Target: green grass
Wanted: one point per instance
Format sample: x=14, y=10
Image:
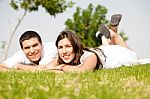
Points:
x=120, y=83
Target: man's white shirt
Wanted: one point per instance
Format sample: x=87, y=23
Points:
x=48, y=54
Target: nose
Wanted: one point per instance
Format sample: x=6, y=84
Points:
x=31, y=49
x=64, y=50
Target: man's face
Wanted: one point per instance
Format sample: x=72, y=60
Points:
x=32, y=49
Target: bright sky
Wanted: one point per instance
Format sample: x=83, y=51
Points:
x=135, y=22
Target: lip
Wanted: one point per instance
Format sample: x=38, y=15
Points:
x=66, y=57
x=34, y=55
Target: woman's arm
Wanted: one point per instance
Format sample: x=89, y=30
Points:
x=88, y=65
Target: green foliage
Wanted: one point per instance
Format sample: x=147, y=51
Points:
x=53, y=7
x=2, y=44
x=124, y=36
x=86, y=22
x=118, y=83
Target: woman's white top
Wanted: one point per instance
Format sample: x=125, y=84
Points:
x=116, y=56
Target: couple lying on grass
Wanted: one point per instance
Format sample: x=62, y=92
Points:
x=68, y=55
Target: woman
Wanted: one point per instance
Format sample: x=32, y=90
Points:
x=72, y=56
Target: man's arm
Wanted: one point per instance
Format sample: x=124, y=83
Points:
x=3, y=67
x=50, y=66
x=31, y=67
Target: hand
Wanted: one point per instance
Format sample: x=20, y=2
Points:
x=59, y=67
x=3, y=68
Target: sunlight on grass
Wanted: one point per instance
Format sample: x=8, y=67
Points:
x=120, y=83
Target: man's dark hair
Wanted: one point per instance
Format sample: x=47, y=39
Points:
x=28, y=35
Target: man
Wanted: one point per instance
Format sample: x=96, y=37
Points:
x=33, y=56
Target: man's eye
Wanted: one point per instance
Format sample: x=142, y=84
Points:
x=35, y=45
x=27, y=48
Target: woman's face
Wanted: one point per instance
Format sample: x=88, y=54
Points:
x=65, y=50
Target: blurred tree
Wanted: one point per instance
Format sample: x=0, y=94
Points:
x=53, y=7
x=124, y=36
x=86, y=22
x=2, y=49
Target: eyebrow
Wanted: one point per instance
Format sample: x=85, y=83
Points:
x=32, y=45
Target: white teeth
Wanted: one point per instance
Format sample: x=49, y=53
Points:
x=66, y=56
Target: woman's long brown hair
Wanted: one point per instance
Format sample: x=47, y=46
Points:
x=77, y=48
x=75, y=42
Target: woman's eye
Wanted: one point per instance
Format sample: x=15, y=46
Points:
x=68, y=46
x=59, y=47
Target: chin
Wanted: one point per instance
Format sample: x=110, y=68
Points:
x=34, y=60
x=67, y=61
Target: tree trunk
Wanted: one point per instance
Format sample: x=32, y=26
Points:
x=6, y=49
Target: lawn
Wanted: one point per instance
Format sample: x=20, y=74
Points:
x=119, y=83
